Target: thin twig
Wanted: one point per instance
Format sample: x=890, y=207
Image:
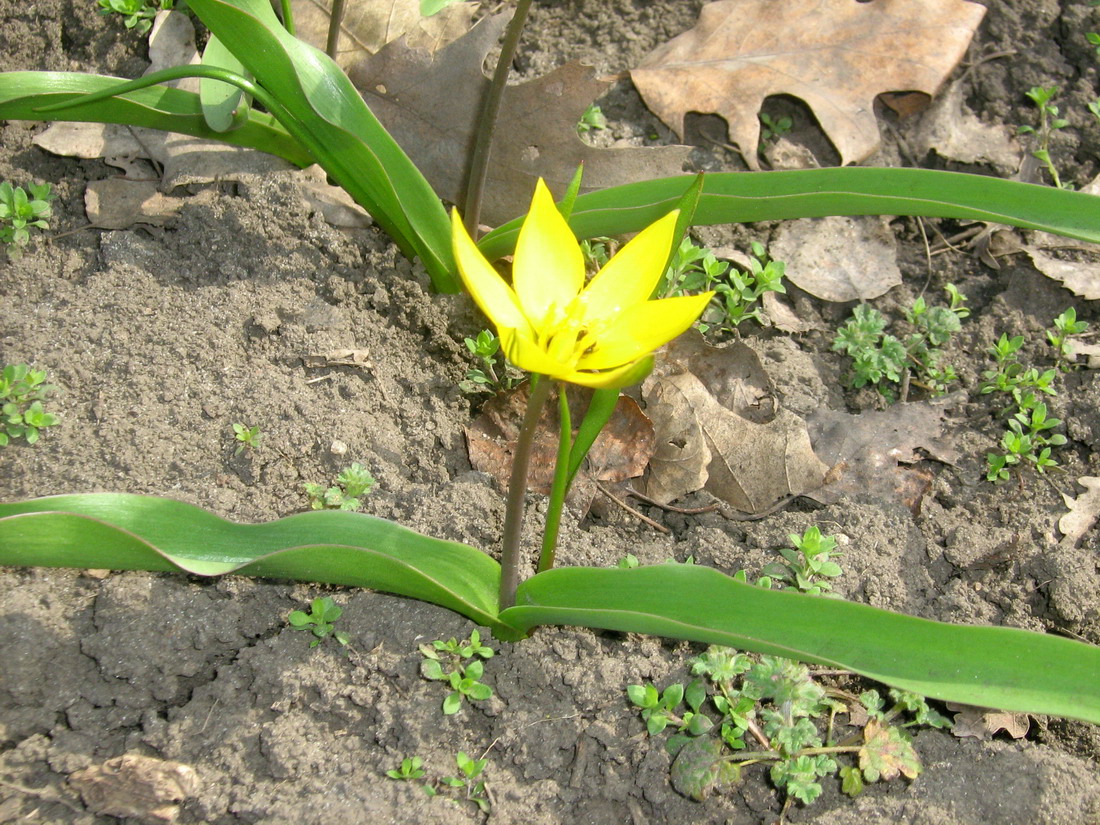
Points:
x=640, y=516
x=687, y=511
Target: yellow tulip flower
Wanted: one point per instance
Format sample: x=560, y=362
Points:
x=599, y=334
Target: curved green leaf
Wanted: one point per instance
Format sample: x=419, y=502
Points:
x=132, y=532
x=995, y=667
x=157, y=107
x=743, y=197
x=224, y=106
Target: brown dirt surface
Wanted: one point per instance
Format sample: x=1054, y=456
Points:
x=159, y=339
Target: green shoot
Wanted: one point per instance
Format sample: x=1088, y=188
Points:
x=593, y=118
x=491, y=376
x=773, y=128
x=770, y=710
x=248, y=438
x=138, y=14
x=470, y=769
x=323, y=612
x=20, y=211
x=694, y=270
x=411, y=768
x=22, y=391
x=459, y=665
x=351, y=485
x=1049, y=122
x=809, y=564
x=1066, y=325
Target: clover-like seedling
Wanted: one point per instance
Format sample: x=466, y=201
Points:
x=809, y=563
x=138, y=14
x=773, y=128
x=323, y=612
x=458, y=663
x=411, y=768
x=486, y=378
x=22, y=415
x=352, y=484
x=20, y=211
x=770, y=710
x=248, y=438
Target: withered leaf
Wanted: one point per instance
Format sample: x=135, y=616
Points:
x=116, y=203
x=748, y=462
x=834, y=54
x=887, y=752
x=431, y=105
x=136, y=786
x=982, y=723
x=839, y=258
x=621, y=451
x=867, y=451
x=1083, y=510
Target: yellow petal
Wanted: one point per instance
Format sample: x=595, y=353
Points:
x=548, y=268
x=643, y=328
x=523, y=351
x=492, y=294
x=630, y=277
x=624, y=376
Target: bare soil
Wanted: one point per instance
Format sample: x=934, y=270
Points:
x=161, y=338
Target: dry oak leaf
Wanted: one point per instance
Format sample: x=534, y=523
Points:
x=141, y=787
x=983, y=723
x=836, y=55
x=749, y=460
x=431, y=104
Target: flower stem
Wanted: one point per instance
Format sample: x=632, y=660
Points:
x=517, y=489
x=486, y=124
x=560, y=485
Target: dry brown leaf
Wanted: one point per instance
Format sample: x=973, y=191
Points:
x=839, y=259
x=431, y=106
x=955, y=133
x=749, y=460
x=141, y=787
x=1081, y=277
x=1083, y=510
x=836, y=55
x=982, y=723
x=866, y=451
x=368, y=25
x=116, y=203
x=621, y=451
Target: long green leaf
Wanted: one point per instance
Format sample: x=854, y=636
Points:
x=741, y=197
x=988, y=666
x=131, y=532
x=158, y=107
x=348, y=141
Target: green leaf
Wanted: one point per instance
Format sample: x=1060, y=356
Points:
x=452, y=703
x=131, y=532
x=740, y=197
x=986, y=666
x=224, y=106
x=698, y=768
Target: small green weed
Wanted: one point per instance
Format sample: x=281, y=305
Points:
x=468, y=781
x=694, y=270
x=593, y=118
x=768, y=710
x=22, y=391
x=881, y=359
x=352, y=484
x=323, y=613
x=491, y=376
x=138, y=14
x=773, y=128
x=808, y=563
x=1066, y=326
x=459, y=665
x=248, y=438
x=1049, y=122
x=1029, y=437
x=20, y=211
x=411, y=768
